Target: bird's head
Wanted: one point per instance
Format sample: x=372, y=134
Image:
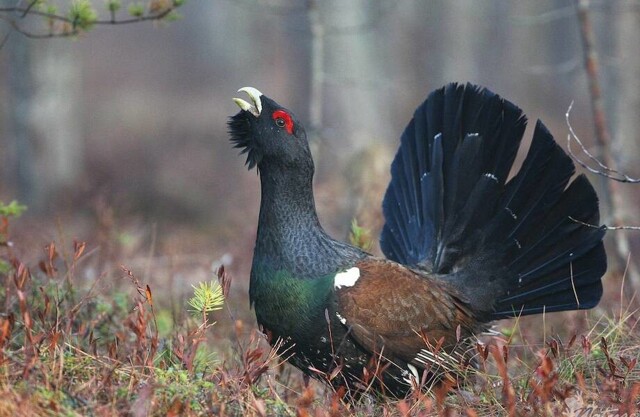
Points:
x=268, y=133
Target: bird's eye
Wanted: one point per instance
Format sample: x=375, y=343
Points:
x=283, y=119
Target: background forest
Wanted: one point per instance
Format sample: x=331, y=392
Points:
x=113, y=135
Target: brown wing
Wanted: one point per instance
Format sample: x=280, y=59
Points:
x=393, y=306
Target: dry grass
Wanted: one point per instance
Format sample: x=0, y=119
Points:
x=75, y=345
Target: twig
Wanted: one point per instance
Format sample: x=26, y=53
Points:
x=28, y=8
x=604, y=227
x=603, y=170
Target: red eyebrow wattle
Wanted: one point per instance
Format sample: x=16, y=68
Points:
x=288, y=122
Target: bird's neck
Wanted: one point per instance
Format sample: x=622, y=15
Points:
x=287, y=202
x=290, y=237
x=288, y=220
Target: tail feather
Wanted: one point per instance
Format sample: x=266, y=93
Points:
x=572, y=289
x=513, y=247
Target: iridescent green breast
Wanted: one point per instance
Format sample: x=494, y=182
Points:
x=290, y=306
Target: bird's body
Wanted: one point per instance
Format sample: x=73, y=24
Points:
x=464, y=245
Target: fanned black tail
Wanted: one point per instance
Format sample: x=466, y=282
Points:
x=512, y=248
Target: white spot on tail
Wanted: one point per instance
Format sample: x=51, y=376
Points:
x=342, y=319
x=491, y=176
x=511, y=213
x=347, y=278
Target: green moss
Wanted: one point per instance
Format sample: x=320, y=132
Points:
x=120, y=301
x=5, y=267
x=165, y=323
x=179, y=384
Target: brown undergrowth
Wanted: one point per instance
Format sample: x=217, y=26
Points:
x=74, y=346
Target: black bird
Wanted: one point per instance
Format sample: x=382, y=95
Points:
x=465, y=244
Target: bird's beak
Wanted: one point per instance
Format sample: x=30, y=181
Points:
x=254, y=95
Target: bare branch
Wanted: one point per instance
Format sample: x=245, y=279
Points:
x=603, y=169
x=16, y=27
x=26, y=11
x=595, y=226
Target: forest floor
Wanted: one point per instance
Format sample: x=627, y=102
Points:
x=109, y=326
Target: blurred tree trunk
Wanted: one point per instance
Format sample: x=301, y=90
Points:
x=460, y=33
x=56, y=116
x=20, y=156
x=620, y=206
x=626, y=133
x=347, y=72
x=42, y=132
x=352, y=74
x=625, y=120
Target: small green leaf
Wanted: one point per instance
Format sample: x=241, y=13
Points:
x=136, y=10
x=82, y=14
x=47, y=8
x=178, y=3
x=13, y=209
x=114, y=5
x=41, y=5
x=507, y=331
x=51, y=9
x=359, y=236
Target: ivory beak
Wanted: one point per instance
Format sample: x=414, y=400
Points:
x=254, y=95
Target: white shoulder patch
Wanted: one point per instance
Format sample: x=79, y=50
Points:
x=347, y=278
